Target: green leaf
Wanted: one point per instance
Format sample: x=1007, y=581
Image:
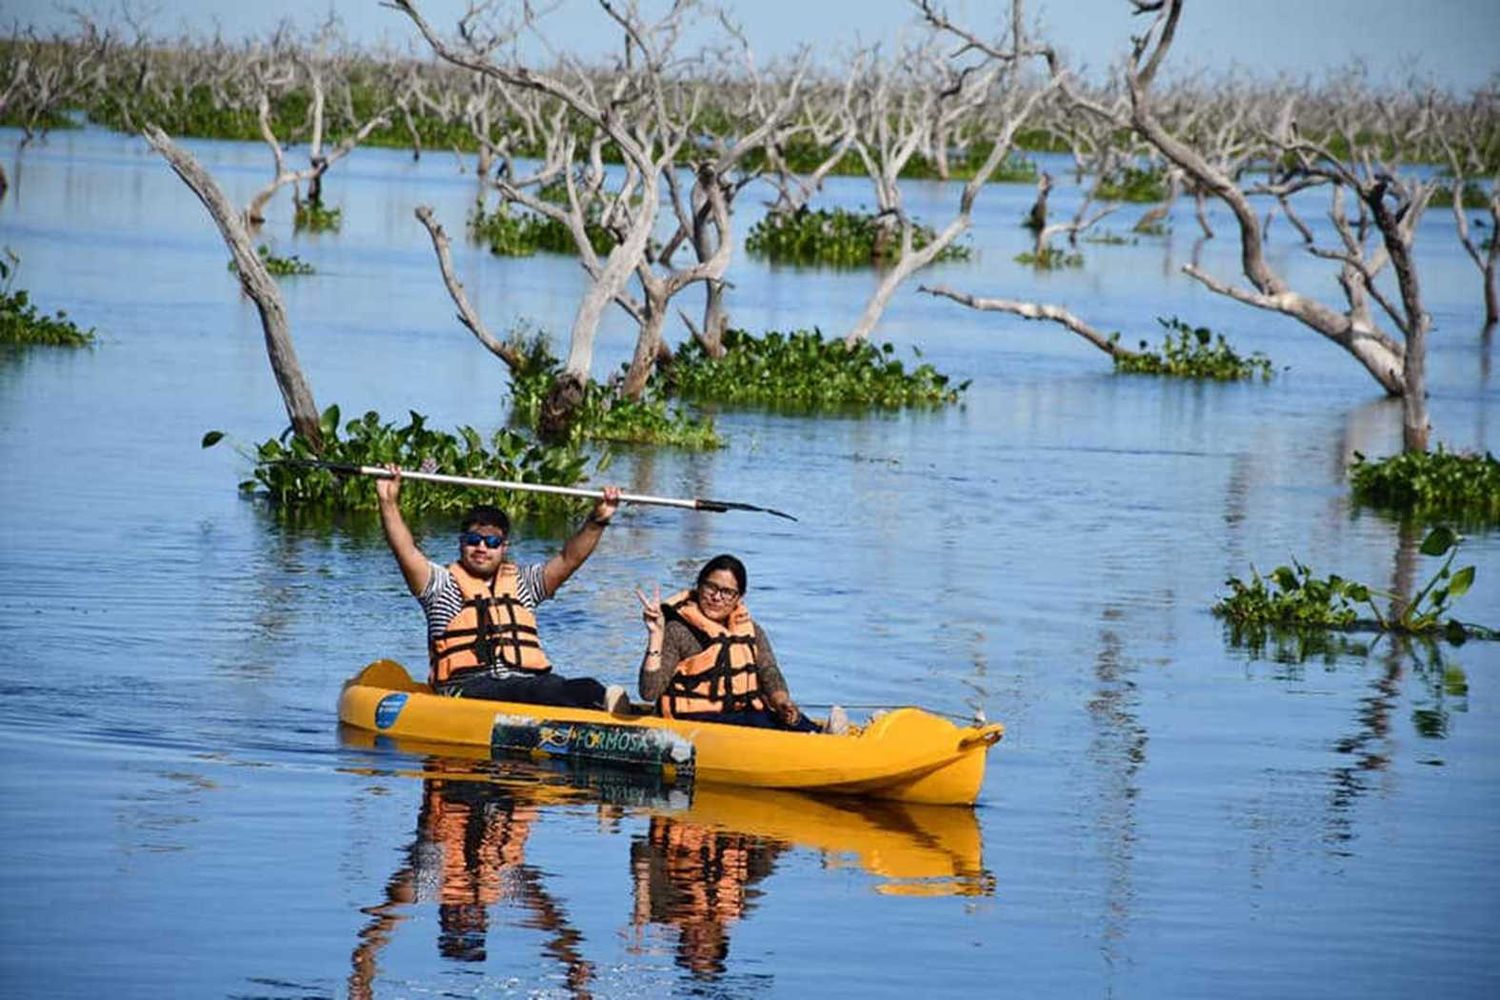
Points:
x=212, y=438
x=1461, y=582
x=1439, y=540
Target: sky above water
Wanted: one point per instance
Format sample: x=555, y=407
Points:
x=1451, y=42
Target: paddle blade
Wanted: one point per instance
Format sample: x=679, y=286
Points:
x=720, y=506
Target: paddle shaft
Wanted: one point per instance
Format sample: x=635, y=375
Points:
x=379, y=472
x=502, y=484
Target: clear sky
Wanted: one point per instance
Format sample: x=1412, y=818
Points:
x=1453, y=42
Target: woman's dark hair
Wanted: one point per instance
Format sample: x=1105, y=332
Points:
x=725, y=561
x=487, y=515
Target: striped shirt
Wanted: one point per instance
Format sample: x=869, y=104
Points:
x=442, y=599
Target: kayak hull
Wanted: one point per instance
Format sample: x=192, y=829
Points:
x=907, y=754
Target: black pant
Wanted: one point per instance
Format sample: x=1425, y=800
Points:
x=758, y=718
x=539, y=689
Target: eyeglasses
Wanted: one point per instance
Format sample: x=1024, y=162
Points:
x=474, y=538
x=715, y=592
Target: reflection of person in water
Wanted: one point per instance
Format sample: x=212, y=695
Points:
x=469, y=854
x=699, y=880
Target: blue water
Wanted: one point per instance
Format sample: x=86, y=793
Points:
x=1168, y=815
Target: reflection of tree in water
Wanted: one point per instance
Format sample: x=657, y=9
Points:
x=469, y=855
x=1118, y=749
x=699, y=880
x=1367, y=750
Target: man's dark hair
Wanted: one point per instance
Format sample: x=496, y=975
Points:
x=487, y=515
x=725, y=561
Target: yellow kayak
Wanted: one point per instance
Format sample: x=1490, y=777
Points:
x=907, y=754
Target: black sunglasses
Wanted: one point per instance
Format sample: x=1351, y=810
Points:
x=474, y=538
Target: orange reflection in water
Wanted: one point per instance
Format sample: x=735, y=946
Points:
x=696, y=870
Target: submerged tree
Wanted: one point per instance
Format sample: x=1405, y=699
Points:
x=892, y=125
x=1388, y=207
x=641, y=111
x=1379, y=232
x=1471, y=146
x=282, y=69
x=612, y=107
x=296, y=393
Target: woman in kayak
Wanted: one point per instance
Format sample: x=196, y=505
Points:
x=707, y=659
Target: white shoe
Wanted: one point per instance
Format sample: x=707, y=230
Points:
x=616, y=700
x=838, y=721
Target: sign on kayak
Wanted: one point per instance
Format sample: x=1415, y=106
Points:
x=389, y=708
x=632, y=746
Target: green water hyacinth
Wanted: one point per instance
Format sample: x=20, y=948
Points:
x=312, y=217
x=1474, y=196
x=279, y=267
x=802, y=372
x=836, y=237
x=1457, y=486
x=603, y=415
x=519, y=233
x=1050, y=259
x=1193, y=352
x=1294, y=597
x=368, y=440
x=21, y=324
x=1134, y=184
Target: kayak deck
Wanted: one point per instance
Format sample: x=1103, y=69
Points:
x=906, y=754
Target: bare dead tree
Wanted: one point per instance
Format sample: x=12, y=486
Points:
x=1379, y=233
x=1389, y=206
x=296, y=394
x=716, y=162
x=634, y=111
x=824, y=123
x=980, y=72
x=1471, y=141
x=274, y=78
x=1035, y=311
x=467, y=314
x=40, y=78
x=1036, y=219
x=1155, y=216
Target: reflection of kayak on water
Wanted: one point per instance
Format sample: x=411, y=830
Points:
x=914, y=849
x=906, y=754
x=698, y=865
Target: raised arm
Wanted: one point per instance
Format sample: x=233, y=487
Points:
x=414, y=565
x=578, y=548
x=654, y=672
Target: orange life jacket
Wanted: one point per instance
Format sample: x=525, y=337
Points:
x=493, y=628
x=720, y=678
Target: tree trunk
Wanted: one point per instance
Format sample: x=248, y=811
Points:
x=315, y=183
x=559, y=409
x=647, y=347
x=1036, y=219
x=1156, y=214
x=296, y=394
x=1491, y=300
x=715, y=320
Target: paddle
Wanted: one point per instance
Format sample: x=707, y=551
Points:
x=717, y=506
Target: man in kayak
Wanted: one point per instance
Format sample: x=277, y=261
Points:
x=481, y=634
